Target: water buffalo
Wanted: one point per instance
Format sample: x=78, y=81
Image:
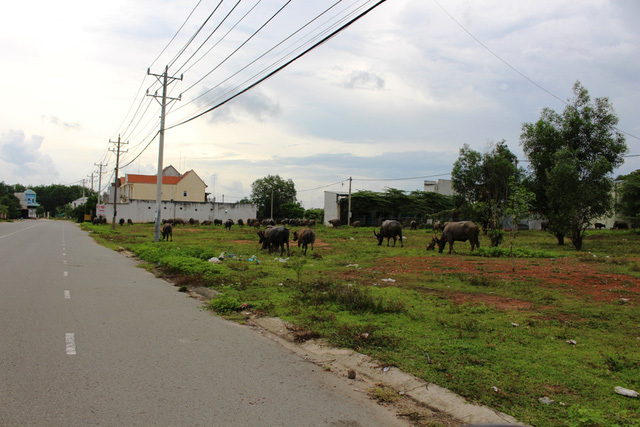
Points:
x=335, y=222
x=217, y=221
x=439, y=226
x=240, y=222
x=355, y=224
x=167, y=231
x=458, y=231
x=414, y=224
x=129, y=221
x=305, y=237
x=389, y=228
x=620, y=224
x=273, y=238
x=599, y=226
x=121, y=221
x=228, y=223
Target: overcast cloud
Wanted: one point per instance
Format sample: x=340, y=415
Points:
x=393, y=96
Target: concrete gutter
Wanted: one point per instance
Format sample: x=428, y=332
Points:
x=367, y=370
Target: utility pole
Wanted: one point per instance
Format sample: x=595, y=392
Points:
x=349, y=204
x=91, y=180
x=164, y=80
x=115, y=185
x=100, y=165
x=83, y=180
x=271, y=204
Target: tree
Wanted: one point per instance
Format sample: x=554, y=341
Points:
x=630, y=194
x=272, y=189
x=483, y=185
x=12, y=205
x=571, y=158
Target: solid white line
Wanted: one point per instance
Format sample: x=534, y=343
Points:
x=24, y=229
x=67, y=294
x=70, y=340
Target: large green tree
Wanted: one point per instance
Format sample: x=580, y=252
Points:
x=483, y=183
x=273, y=189
x=571, y=158
x=629, y=190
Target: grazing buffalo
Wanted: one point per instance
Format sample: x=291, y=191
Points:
x=335, y=222
x=129, y=221
x=240, y=222
x=273, y=238
x=544, y=225
x=458, y=231
x=312, y=222
x=217, y=222
x=620, y=224
x=439, y=226
x=390, y=228
x=414, y=224
x=228, y=224
x=167, y=232
x=305, y=237
x=121, y=221
x=355, y=224
x=599, y=226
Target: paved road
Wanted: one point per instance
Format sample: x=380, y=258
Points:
x=87, y=338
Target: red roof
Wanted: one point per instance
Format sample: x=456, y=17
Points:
x=152, y=179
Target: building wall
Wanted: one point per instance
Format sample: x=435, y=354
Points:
x=331, y=206
x=145, y=211
x=190, y=189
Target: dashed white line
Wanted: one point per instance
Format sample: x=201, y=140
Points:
x=65, y=274
x=67, y=294
x=70, y=340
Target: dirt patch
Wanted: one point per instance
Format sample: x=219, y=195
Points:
x=576, y=276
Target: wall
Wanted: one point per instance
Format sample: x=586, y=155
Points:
x=145, y=211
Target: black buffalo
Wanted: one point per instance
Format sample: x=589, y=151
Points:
x=390, y=228
x=273, y=238
x=228, y=224
x=305, y=237
x=167, y=231
x=620, y=225
x=457, y=231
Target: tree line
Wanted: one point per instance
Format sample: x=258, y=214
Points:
x=567, y=181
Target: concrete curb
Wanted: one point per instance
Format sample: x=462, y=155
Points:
x=341, y=361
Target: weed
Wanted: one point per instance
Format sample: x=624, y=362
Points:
x=224, y=304
x=383, y=394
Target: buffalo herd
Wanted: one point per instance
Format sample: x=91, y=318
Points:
x=275, y=236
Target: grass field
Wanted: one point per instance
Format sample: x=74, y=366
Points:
x=503, y=328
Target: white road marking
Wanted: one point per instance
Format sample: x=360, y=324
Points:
x=67, y=294
x=70, y=340
x=24, y=229
x=65, y=274
x=64, y=254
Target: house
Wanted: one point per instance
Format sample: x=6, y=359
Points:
x=183, y=196
x=441, y=186
x=175, y=187
x=28, y=204
x=79, y=202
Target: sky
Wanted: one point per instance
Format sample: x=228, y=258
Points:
x=389, y=101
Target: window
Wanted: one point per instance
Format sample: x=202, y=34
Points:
x=185, y=194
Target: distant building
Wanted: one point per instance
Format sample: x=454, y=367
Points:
x=175, y=187
x=28, y=204
x=441, y=186
x=79, y=202
x=183, y=196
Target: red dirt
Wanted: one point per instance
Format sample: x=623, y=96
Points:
x=580, y=278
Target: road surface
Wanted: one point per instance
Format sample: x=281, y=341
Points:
x=87, y=338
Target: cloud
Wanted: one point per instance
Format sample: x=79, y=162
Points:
x=28, y=164
x=254, y=105
x=65, y=125
x=364, y=80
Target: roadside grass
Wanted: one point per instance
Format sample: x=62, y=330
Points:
x=440, y=327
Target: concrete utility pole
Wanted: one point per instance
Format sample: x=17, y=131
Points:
x=100, y=165
x=164, y=80
x=349, y=204
x=115, y=187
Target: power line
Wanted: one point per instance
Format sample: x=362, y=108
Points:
x=512, y=67
x=322, y=41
